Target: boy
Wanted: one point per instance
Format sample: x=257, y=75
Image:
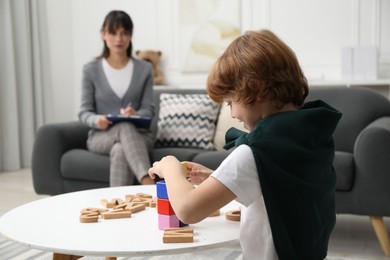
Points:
x=281, y=171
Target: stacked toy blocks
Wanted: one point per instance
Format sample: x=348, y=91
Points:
x=166, y=216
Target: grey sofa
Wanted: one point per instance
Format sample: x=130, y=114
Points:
x=62, y=164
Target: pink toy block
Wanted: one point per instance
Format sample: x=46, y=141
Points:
x=168, y=221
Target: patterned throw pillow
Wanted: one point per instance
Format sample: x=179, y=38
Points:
x=186, y=120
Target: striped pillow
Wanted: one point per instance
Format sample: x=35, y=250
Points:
x=186, y=120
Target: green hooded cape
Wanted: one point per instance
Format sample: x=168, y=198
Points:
x=294, y=154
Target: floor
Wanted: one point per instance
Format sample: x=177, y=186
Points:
x=352, y=238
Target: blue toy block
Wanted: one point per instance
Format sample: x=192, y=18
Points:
x=161, y=190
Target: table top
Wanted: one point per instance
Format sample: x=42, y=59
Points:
x=52, y=224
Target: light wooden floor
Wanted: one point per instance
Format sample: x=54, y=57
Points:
x=352, y=238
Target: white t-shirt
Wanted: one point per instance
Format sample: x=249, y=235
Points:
x=238, y=172
x=119, y=79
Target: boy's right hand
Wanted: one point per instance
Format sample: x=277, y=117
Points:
x=197, y=173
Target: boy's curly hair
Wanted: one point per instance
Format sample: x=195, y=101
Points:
x=258, y=58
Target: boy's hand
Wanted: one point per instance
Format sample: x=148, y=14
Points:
x=160, y=168
x=197, y=173
x=146, y=180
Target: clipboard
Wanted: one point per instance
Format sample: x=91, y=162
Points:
x=140, y=122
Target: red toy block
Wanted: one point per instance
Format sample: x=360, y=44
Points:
x=164, y=207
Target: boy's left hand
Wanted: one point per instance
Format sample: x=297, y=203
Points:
x=166, y=164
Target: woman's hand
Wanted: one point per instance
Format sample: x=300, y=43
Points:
x=146, y=180
x=197, y=173
x=128, y=111
x=167, y=164
x=103, y=122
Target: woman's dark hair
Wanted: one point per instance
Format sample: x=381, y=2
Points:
x=114, y=20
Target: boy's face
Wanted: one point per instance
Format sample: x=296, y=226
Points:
x=248, y=114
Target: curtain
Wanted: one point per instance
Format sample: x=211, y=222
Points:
x=24, y=78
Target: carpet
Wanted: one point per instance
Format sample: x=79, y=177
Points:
x=10, y=250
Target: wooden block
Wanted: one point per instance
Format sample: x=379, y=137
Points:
x=141, y=201
x=116, y=214
x=153, y=203
x=89, y=210
x=107, y=204
x=90, y=217
x=168, y=221
x=112, y=203
x=161, y=190
x=164, y=207
x=133, y=208
x=121, y=206
x=129, y=197
x=178, y=235
x=178, y=238
x=143, y=195
x=233, y=215
x=118, y=201
x=179, y=230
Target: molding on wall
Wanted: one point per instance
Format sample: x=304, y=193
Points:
x=377, y=17
x=356, y=22
x=384, y=57
x=267, y=13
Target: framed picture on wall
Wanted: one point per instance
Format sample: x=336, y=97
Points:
x=206, y=28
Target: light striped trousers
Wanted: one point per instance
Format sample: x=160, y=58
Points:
x=128, y=149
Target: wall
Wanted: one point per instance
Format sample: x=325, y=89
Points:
x=315, y=29
x=59, y=35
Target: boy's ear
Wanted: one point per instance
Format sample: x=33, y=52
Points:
x=261, y=86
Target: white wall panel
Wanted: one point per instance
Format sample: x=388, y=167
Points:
x=384, y=32
x=315, y=29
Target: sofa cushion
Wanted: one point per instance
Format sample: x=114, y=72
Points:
x=186, y=121
x=181, y=153
x=345, y=169
x=81, y=164
x=359, y=107
x=211, y=159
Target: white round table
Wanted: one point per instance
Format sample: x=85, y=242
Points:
x=52, y=224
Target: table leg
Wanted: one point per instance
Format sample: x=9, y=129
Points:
x=57, y=256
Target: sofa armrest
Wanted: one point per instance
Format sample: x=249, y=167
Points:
x=372, y=161
x=51, y=142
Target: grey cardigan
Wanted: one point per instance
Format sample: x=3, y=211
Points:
x=98, y=98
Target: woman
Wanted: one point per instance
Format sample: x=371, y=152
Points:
x=116, y=83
